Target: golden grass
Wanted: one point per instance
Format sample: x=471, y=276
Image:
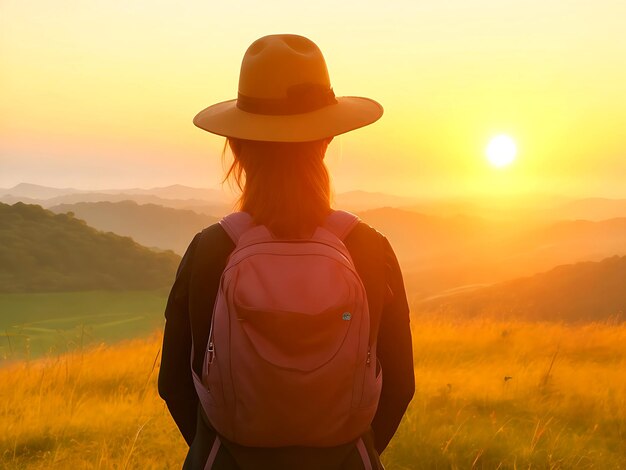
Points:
x=94, y=410
x=563, y=407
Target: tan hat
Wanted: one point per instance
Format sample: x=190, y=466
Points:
x=285, y=96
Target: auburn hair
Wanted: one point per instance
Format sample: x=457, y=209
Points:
x=284, y=185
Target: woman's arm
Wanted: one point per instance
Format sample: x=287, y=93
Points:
x=395, y=352
x=175, y=382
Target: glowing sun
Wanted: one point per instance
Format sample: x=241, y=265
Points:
x=501, y=150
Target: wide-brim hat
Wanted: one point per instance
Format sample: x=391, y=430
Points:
x=285, y=96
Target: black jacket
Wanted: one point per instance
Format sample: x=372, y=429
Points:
x=189, y=309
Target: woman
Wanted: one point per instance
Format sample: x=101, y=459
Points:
x=278, y=130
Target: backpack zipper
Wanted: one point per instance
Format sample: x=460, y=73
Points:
x=334, y=246
x=211, y=351
x=211, y=347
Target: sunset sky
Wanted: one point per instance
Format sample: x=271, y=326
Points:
x=101, y=93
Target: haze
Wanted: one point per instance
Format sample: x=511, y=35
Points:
x=101, y=94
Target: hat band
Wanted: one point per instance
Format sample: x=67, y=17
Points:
x=302, y=98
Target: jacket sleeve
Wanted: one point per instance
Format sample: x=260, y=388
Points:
x=395, y=353
x=175, y=382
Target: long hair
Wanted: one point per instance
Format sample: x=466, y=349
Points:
x=284, y=185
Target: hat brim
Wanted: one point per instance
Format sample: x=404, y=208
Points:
x=349, y=113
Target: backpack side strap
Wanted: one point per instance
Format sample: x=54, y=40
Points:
x=340, y=223
x=236, y=224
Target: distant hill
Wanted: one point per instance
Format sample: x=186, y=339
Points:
x=579, y=236
x=148, y=224
x=36, y=191
x=41, y=251
x=587, y=291
x=175, y=191
x=203, y=200
x=418, y=236
x=593, y=209
x=364, y=200
x=215, y=209
x=217, y=202
x=530, y=206
x=440, y=253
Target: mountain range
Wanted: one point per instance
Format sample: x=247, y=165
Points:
x=463, y=259
x=218, y=202
x=202, y=200
x=175, y=191
x=440, y=253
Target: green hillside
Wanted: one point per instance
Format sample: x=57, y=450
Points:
x=44, y=252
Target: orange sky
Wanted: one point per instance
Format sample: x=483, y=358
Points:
x=101, y=93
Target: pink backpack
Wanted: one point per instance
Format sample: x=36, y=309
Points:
x=289, y=359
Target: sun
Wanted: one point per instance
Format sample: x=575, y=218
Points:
x=501, y=150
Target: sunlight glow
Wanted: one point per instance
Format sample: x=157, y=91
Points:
x=501, y=150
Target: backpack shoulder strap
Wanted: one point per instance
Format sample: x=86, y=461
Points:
x=340, y=223
x=236, y=224
x=211, y=253
x=367, y=248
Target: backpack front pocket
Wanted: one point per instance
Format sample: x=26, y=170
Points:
x=295, y=340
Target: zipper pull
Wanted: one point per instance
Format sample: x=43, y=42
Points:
x=211, y=351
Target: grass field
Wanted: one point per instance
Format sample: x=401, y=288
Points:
x=33, y=324
x=562, y=406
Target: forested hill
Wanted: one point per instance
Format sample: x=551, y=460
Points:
x=41, y=252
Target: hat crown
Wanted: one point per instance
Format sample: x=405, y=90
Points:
x=285, y=96
x=274, y=64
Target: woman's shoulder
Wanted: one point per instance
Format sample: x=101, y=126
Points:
x=213, y=231
x=364, y=235
x=212, y=239
x=365, y=241
x=370, y=248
